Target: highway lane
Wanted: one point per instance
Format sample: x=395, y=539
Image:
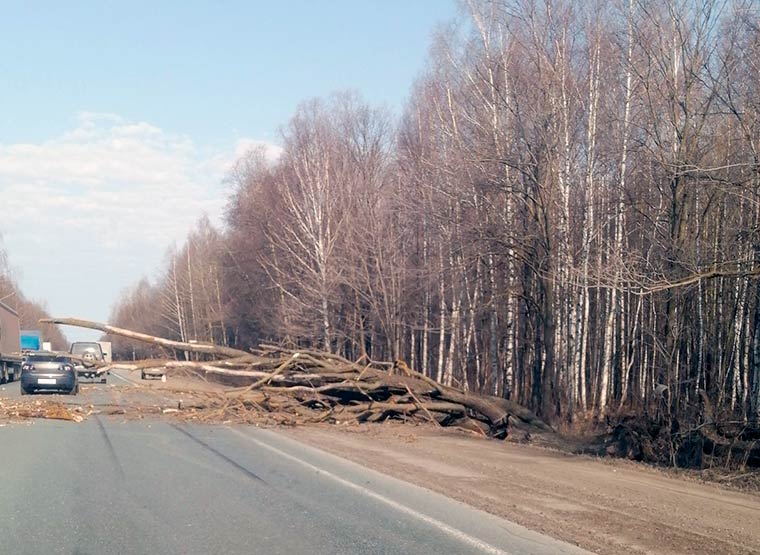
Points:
x=110, y=485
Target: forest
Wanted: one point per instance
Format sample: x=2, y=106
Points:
x=565, y=213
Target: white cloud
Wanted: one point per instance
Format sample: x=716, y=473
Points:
x=117, y=190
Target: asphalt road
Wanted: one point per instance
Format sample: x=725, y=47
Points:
x=110, y=486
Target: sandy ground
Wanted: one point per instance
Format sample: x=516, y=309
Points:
x=609, y=507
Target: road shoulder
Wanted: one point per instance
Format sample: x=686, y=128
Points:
x=610, y=508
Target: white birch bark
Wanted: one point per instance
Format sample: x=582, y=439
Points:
x=442, y=318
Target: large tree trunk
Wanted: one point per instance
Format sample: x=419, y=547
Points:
x=201, y=348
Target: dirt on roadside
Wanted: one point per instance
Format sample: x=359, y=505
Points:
x=608, y=507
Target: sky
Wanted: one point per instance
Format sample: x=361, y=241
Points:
x=120, y=120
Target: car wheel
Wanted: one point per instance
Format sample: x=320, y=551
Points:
x=24, y=391
x=74, y=390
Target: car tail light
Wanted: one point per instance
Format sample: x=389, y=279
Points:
x=67, y=368
x=27, y=367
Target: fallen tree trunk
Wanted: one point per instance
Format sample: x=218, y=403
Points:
x=293, y=386
x=201, y=348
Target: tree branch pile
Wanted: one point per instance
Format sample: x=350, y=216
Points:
x=299, y=386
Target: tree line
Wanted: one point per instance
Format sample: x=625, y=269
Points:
x=30, y=311
x=566, y=213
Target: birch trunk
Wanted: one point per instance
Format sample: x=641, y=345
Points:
x=442, y=318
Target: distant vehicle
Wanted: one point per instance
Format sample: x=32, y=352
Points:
x=91, y=353
x=49, y=372
x=158, y=373
x=31, y=340
x=10, y=345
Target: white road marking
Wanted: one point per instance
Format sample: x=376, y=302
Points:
x=442, y=526
x=130, y=382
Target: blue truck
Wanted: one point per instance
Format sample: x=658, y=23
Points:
x=31, y=340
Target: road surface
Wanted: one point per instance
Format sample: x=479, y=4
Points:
x=110, y=485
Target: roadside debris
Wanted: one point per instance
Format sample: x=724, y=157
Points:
x=21, y=410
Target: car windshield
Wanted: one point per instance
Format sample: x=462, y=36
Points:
x=81, y=348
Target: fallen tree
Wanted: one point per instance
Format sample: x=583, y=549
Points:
x=312, y=386
x=206, y=348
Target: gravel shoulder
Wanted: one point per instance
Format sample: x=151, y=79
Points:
x=609, y=507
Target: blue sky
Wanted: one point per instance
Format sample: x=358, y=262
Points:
x=119, y=120
x=207, y=69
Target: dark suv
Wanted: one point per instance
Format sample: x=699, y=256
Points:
x=91, y=354
x=48, y=372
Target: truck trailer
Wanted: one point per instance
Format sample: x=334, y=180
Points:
x=10, y=344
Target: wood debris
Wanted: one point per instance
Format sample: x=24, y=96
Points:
x=11, y=409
